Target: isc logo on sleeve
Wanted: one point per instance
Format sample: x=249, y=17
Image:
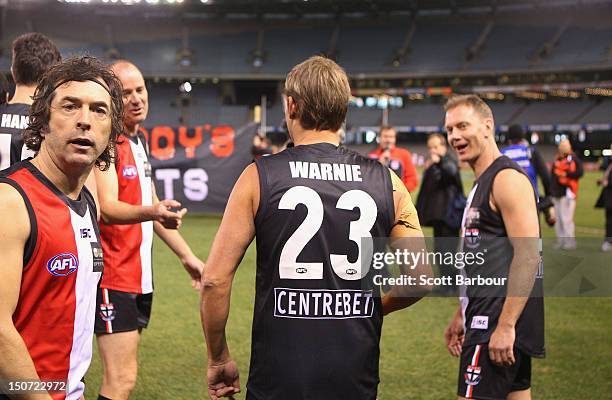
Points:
x=62, y=264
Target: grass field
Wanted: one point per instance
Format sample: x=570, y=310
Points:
x=414, y=363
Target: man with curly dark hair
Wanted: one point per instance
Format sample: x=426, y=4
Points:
x=33, y=54
x=50, y=242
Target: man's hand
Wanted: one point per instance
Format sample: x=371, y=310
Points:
x=453, y=335
x=223, y=380
x=162, y=212
x=551, y=216
x=501, y=346
x=194, y=267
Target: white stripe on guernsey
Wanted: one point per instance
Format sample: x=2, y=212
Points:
x=85, y=292
x=5, y=150
x=463, y=298
x=470, y=388
x=475, y=356
x=26, y=153
x=105, y=300
x=140, y=157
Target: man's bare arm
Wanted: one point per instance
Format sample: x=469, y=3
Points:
x=235, y=233
x=406, y=234
x=174, y=240
x=519, y=212
x=15, y=361
x=114, y=211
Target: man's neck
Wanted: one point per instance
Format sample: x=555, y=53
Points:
x=69, y=182
x=486, y=158
x=311, y=137
x=23, y=94
x=132, y=130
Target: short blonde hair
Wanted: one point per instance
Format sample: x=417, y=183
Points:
x=321, y=92
x=470, y=100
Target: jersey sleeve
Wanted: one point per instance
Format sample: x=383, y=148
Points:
x=405, y=211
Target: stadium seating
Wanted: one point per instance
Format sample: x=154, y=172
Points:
x=436, y=47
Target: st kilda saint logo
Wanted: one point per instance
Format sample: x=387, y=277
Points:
x=471, y=235
x=472, y=375
x=107, y=312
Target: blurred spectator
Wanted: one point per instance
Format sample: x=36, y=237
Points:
x=607, y=160
x=566, y=171
x=398, y=159
x=272, y=143
x=278, y=141
x=530, y=159
x=436, y=205
x=605, y=201
x=261, y=146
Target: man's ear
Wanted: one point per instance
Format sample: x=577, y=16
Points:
x=489, y=125
x=291, y=107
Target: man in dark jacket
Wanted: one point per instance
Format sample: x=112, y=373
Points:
x=605, y=201
x=441, y=183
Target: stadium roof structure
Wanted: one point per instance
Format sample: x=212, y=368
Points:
x=379, y=39
x=292, y=9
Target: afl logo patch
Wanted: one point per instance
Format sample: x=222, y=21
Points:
x=129, y=172
x=62, y=264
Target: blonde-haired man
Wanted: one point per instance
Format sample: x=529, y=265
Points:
x=496, y=330
x=317, y=324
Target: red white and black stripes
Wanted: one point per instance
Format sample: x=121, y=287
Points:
x=55, y=311
x=127, y=248
x=472, y=374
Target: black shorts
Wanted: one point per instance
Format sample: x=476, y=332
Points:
x=479, y=378
x=121, y=311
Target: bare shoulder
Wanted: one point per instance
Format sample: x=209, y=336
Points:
x=246, y=189
x=248, y=180
x=250, y=172
x=405, y=212
x=14, y=218
x=512, y=188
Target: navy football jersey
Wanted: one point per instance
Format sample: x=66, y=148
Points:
x=13, y=120
x=317, y=320
x=483, y=230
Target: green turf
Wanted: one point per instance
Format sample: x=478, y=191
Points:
x=414, y=363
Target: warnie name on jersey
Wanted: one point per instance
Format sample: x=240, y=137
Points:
x=483, y=230
x=317, y=324
x=62, y=266
x=13, y=120
x=127, y=248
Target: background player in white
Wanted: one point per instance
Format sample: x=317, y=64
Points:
x=470, y=127
x=73, y=128
x=119, y=349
